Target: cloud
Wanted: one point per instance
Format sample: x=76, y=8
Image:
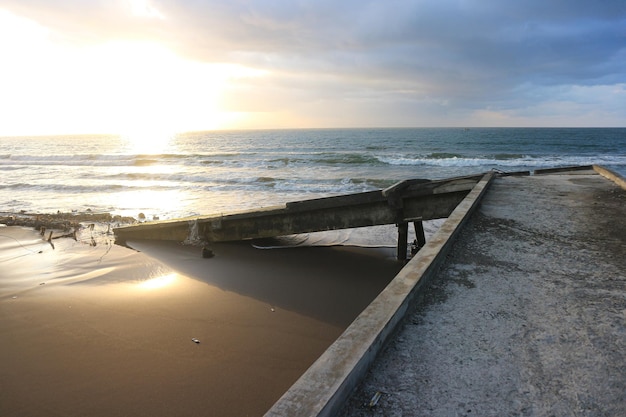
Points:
x=391, y=62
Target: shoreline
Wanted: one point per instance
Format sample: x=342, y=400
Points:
x=107, y=330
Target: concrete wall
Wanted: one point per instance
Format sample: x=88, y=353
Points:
x=611, y=175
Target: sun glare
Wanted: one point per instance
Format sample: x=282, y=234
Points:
x=143, y=8
x=138, y=89
x=134, y=202
x=152, y=94
x=149, y=90
x=146, y=141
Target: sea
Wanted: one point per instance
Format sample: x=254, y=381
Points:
x=211, y=172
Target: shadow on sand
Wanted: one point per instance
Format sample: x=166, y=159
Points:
x=332, y=284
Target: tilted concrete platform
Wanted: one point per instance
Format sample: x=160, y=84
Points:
x=407, y=201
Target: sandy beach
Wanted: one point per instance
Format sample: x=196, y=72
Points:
x=107, y=330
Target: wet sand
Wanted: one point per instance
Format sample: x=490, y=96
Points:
x=107, y=331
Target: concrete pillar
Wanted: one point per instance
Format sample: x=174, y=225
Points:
x=403, y=236
x=419, y=233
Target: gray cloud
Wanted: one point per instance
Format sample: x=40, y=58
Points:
x=418, y=56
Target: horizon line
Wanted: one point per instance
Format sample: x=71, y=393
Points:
x=22, y=135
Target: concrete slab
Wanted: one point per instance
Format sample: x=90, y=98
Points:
x=412, y=199
x=527, y=316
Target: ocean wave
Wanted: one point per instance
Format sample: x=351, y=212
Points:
x=373, y=183
x=505, y=160
x=267, y=181
x=507, y=156
x=285, y=161
x=455, y=156
x=67, y=160
x=347, y=159
x=300, y=187
x=145, y=162
x=115, y=160
x=250, y=169
x=373, y=159
x=443, y=155
x=151, y=180
x=376, y=147
x=156, y=177
x=61, y=187
x=78, y=189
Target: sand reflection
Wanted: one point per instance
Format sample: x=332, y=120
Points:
x=228, y=334
x=159, y=282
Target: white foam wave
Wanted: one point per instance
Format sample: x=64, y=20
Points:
x=68, y=160
x=517, y=162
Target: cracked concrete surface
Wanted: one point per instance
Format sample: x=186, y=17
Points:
x=526, y=317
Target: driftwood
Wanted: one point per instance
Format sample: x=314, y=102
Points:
x=63, y=225
x=61, y=221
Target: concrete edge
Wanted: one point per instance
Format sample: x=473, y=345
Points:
x=323, y=389
x=544, y=171
x=611, y=175
x=513, y=173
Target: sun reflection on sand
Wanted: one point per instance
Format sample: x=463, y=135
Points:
x=159, y=282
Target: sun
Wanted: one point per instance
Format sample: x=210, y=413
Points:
x=141, y=89
x=148, y=89
x=148, y=140
x=151, y=93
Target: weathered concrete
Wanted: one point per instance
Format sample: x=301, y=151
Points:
x=324, y=387
x=526, y=317
x=406, y=201
x=613, y=176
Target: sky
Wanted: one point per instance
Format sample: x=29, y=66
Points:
x=142, y=66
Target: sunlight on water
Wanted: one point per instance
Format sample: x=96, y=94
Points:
x=149, y=171
x=150, y=202
x=158, y=282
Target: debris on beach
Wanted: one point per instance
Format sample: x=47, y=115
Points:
x=61, y=221
x=67, y=225
x=207, y=252
x=375, y=398
x=196, y=341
